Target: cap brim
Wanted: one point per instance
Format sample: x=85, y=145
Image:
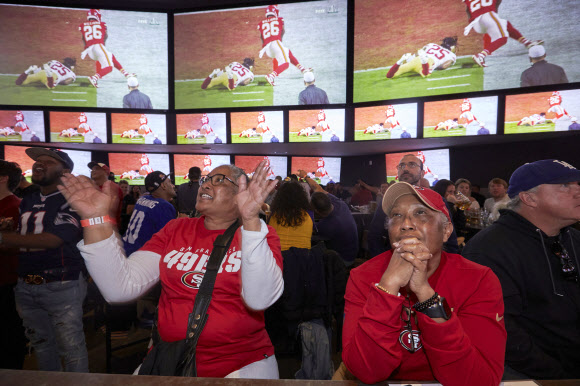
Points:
x=400, y=189
x=35, y=152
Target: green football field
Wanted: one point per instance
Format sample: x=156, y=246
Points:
x=373, y=85
x=359, y=136
x=78, y=94
x=137, y=181
x=180, y=180
x=513, y=128
x=294, y=137
x=189, y=95
x=237, y=139
x=430, y=132
x=11, y=138
x=77, y=139
x=138, y=140
x=181, y=140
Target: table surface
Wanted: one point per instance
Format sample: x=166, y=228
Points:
x=40, y=378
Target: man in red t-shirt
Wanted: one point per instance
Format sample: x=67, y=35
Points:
x=271, y=32
x=94, y=33
x=11, y=330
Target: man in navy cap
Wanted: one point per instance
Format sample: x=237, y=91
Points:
x=534, y=251
x=51, y=286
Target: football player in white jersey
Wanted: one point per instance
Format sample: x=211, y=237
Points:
x=233, y=75
x=448, y=125
x=427, y=59
x=374, y=129
x=51, y=74
x=534, y=119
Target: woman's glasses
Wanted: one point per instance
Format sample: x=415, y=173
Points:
x=216, y=179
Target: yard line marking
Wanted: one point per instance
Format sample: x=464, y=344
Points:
x=69, y=92
x=248, y=92
x=447, y=77
x=69, y=100
x=248, y=100
x=453, y=85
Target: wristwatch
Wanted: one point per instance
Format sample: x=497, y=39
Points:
x=440, y=309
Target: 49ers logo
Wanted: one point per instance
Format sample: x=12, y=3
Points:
x=192, y=279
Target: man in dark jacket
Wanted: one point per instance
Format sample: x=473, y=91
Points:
x=534, y=252
x=541, y=71
x=312, y=95
x=135, y=99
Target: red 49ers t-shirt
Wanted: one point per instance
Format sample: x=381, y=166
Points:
x=234, y=335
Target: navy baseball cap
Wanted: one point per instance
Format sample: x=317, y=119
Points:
x=59, y=155
x=547, y=171
x=154, y=180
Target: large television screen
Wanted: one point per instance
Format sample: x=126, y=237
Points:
x=460, y=117
x=139, y=128
x=134, y=167
x=258, y=127
x=201, y=128
x=385, y=122
x=278, y=165
x=21, y=126
x=78, y=127
x=18, y=154
x=279, y=42
x=45, y=60
x=206, y=162
x=435, y=164
x=321, y=169
x=316, y=125
x=542, y=112
x=409, y=53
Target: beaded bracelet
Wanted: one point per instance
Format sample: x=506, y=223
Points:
x=421, y=306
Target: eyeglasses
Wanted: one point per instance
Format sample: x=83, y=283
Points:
x=410, y=165
x=409, y=338
x=568, y=268
x=216, y=179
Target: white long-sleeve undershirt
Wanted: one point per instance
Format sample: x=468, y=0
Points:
x=122, y=279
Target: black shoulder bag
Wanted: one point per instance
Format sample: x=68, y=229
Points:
x=178, y=358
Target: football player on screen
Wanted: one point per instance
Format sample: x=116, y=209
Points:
x=94, y=34
x=271, y=32
x=467, y=115
x=555, y=101
x=534, y=119
x=483, y=18
x=51, y=74
x=429, y=58
x=233, y=75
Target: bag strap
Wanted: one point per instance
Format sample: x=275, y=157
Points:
x=198, y=317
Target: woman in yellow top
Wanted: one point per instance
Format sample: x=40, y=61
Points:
x=290, y=216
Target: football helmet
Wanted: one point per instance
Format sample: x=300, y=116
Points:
x=94, y=14
x=69, y=62
x=272, y=11
x=248, y=63
x=450, y=43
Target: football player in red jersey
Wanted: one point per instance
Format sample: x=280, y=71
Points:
x=271, y=32
x=94, y=33
x=483, y=18
x=556, y=107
